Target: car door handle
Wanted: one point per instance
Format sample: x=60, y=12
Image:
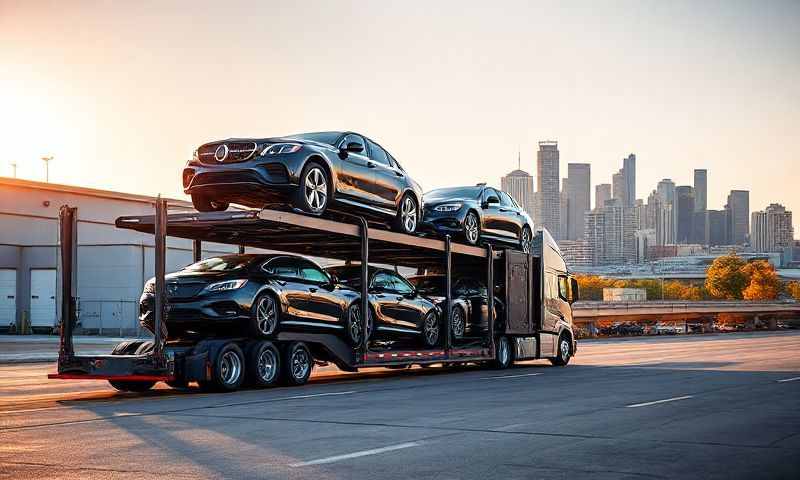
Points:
x=312, y=289
x=371, y=164
x=400, y=298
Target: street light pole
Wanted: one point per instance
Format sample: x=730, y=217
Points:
x=46, y=161
x=14, y=169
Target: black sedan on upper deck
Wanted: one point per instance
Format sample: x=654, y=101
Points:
x=478, y=213
x=313, y=172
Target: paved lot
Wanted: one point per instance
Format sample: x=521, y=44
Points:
x=719, y=406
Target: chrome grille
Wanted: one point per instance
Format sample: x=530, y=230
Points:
x=183, y=290
x=228, y=152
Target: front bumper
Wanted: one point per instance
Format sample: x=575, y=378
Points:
x=210, y=312
x=444, y=223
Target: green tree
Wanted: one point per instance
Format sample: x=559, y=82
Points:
x=726, y=277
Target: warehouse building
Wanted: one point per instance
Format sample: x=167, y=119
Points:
x=112, y=264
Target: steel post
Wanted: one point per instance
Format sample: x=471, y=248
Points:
x=197, y=250
x=67, y=237
x=490, y=294
x=160, y=267
x=448, y=313
x=365, y=313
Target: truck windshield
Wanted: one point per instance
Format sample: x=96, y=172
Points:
x=219, y=264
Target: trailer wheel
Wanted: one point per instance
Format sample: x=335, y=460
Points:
x=430, y=329
x=131, y=385
x=503, y=357
x=263, y=364
x=264, y=316
x=227, y=372
x=354, y=326
x=297, y=363
x=564, y=353
x=458, y=322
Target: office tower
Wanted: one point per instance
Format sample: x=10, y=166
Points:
x=594, y=231
x=547, y=183
x=640, y=214
x=629, y=170
x=602, y=192
x=665, y=224
x=684, y=204
x=771, y=229
x=717, y=228
x=737, y=211
x=619, y=187
x=519, y=184
x=576, y=253
x=645, y=238
x=564, y=225
x=610, y=234
x=666, y=190
x=700, y=227
x=700, y=190
x=577, y=187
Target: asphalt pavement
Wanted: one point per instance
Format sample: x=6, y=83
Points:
x=715, y=406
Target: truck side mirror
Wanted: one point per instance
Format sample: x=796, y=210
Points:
x=573, y=296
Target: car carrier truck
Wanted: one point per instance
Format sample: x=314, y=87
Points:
x=537, y=291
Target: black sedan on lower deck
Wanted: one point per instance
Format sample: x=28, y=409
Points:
x=312, y=172
x=478, y=213
x=254, y=295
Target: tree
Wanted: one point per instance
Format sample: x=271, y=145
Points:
x=764, y=283
x=725, y=277
x=793, y=289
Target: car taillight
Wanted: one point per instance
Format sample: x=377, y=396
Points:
x=188, y=175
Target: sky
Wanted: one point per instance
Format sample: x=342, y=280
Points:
x=120, y=93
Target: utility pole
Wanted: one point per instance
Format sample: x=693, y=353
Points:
x=14, y=169
x=46, y=161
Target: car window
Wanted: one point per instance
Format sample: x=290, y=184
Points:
x=282, y=267
x=377, y=153
x=383, y=280
x=488, y=192
x=352, y=137
x=401, y=286
x=312, y=273
x=505, y=200
x=395, y=163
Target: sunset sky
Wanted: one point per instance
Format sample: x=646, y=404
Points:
x=122, y=92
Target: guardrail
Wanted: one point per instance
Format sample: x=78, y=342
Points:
x=588, y=311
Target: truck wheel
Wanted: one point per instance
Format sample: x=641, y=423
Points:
x=297, y=363
x=503, y=357
x=227, y=372
x=564, y=353
x=430, y=329
x=127, y=347
x=131, y=385
x=458, y=323
x=264, y=316
x=263, y=364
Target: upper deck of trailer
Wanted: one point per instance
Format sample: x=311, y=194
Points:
x=297, y=233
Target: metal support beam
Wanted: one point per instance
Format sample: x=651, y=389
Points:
x=67, y=217
x=197, y=250
x=490, y=294
x=241, y=249
x=365, y=312
x=448, y=314
x=160, y=267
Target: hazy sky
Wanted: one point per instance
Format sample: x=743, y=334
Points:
x=122, y=92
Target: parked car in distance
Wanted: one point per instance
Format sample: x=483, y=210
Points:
x=255, y=295
x=398, y=309
x=478, y=213
x=312, y=172
x=470, y=314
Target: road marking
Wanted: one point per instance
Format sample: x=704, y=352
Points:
x=362, y=453
x=658, y=401
x=297, y=397
x=511, y=376
x=789, y=379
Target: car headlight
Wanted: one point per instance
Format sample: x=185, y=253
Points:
x=279, y=148
x=448, y=207
x=226, y=285
x=150, y=286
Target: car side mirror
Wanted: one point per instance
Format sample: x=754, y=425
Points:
x=573, y=290
x=492, y=199
x=354, y=147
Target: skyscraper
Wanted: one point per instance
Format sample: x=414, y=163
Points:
x=737, y=211
x=519, y=184
x=602, y=192
x=547, y=183
x=700, y=190
x=717, y=228
x=619, y=187
x=771, y=229
x=610, y=234
x=577, y=188
x=666, y=190
x=684, y=203
x=629, y=170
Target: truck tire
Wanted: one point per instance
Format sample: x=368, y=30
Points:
x=265, y=316
x=297, y=363
x=263, y=364
x=130, y=347
x=227, y=371
x=564, y=351
x=503, y=355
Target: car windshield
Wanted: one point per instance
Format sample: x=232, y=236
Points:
x=432, y=285
x=320, y=137
x=456, y=192
x=347, y=275
x=219, y=264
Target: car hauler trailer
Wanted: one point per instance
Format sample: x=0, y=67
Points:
x=534, y=323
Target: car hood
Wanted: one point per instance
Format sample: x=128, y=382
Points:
x=437, y=200
x=186, y=276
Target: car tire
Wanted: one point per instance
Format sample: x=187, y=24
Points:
x=430, y=329
x=458, y=322
x=503, y=354
x=202, y=203
x=472, y=228
x=526, y=239
x=564, y=351
x=314, y=192
x=265, y=316
x=263, y=364
x=407, y=218
x=130, y=347
x=353, y=324
x=297, y=363
x=227, y=370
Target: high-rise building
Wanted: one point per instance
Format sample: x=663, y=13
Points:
x=602, y=192
x=610, y=234
x=576, y=253
x=699, y=227
x=717, y=228
x=684, y=203
x=564, y=209
x=577, y=187
x=666, y=190
x=665, y=224
x=645, y=239
x=594, y=235
x=700, y=190
x=619, y=187
x=629, y=169
x=771, y=231
x=519, y=184
x=737, y=212
x=547, y=183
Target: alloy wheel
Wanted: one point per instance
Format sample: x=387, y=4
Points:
x=408, y=215
x=266, y=315
x=354, y=324
x=564, y=347
x=471, y=228
x=230, y=368
x=431, y=329
x=502, y=351
x=458, y=323
x=267, y=365
x=301, y=363
x=526, y=240
x=316, y=189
